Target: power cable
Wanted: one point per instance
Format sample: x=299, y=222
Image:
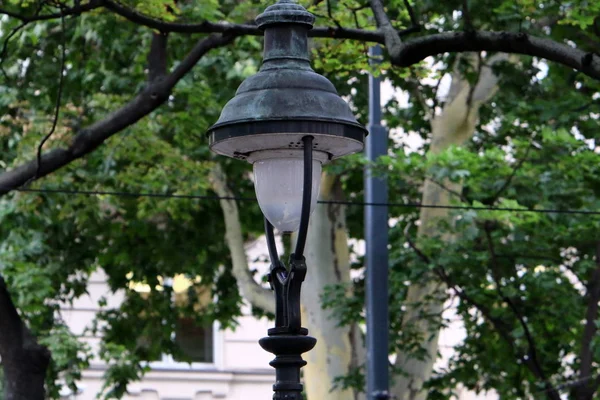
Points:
x=346, y=203
x=560, y=387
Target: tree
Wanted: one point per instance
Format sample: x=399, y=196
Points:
x=86, y=125
x=99, y=231
x=454, y=126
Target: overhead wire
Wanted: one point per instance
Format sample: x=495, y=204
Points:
x=335, y=202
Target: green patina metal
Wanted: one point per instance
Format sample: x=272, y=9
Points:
x=286, y=97
x=285, y=12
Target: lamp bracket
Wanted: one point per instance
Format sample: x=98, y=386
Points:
x=288, y=339
x=287, y=284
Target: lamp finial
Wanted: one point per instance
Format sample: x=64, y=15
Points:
x=285, y=12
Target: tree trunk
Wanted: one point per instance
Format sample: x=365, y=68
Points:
x=24, y=361
x=24, y=376
x=251, y=291
x=339, y=348
x=454, y=126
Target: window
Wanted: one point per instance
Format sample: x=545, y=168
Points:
x=198, y=342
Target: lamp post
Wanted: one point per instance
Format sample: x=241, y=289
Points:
x=287, y=121
x=376, y=254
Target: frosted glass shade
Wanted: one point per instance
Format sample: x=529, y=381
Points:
x=279, y=182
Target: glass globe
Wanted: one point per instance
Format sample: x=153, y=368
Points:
x=279, y=182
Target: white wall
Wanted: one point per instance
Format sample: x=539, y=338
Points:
x=240, y=370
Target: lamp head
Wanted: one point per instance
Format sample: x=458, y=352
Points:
x=286, y=100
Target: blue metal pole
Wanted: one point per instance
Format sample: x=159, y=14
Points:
x=376, y=237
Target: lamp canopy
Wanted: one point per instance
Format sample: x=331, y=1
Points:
x=286, y=100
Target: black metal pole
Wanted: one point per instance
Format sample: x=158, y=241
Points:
x=376, y=237
x=288, y=339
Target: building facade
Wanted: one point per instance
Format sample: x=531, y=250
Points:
x=230, y=363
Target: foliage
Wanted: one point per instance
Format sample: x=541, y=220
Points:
x=52, y=243
x=506, y=263
x=534, y=148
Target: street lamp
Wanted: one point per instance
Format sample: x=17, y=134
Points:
x=287, y=121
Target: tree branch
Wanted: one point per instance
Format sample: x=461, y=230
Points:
x=596, y=384
x=468, y=22
x=61, y=77
x=402, y=53
x=392, y=40
x=237, y=29
x=330, y=15
x=500, y=326
x=474, y=85
x=415, y=50
x=89, y=138
x=10, y=334
x=179, y=27
x=589, y=332
x=443, y=275
x=452, y=192
x=487, y=83
x=65, y=11
x=515, y=169
x=23, y=358
x=202, y=27
x=5, y=48
x=8, y=38
x=157, y=57
x=411, y=13
x=532, y=362
x=436, y=89
x=252, y=291
x=513, y=257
